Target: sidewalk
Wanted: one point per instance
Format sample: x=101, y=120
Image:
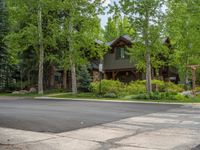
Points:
x=177, y=129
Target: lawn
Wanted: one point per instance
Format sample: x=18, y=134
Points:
x=90, y=96
x=126, y=98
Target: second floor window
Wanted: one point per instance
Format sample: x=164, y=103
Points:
x=121, y=53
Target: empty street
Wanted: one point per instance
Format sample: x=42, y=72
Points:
x=56, y=124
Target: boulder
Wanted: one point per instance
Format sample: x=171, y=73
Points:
x=15, y=92
x=187, y=93
x=23, y=92
x=32, y=90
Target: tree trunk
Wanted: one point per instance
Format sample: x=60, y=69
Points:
x=148, y=53
x=41, y=47
x=186, y=79
x=64, y=79
x=71, y=49
x=148, y=71
x=193, y=80
x=52, y=76
x=74, y=82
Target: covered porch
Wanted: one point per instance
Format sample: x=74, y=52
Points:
x=123, y=75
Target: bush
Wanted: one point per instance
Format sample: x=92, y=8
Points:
x=158, y=85
x=171, y=87
x=197, y=89
x=107, y=86
x=161, y=96
x=135, y=88
x=181, y=97
x=167, y=86
x=110, y=95
x=164, y=90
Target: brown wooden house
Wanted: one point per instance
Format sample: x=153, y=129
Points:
x=117, y=64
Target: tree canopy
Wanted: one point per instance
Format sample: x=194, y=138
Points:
x=44, y=37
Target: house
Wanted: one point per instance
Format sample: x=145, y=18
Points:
x=117, y=64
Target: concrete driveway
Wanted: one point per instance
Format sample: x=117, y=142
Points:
x=83, y=125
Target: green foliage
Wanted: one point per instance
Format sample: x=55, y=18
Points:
x=147, y=18
x=69, y=27
x=6, y=70
x=171, y=87
x=84, y=79
x=107, y=86
x=197, y=89
x=110, y=95
x=182, y=26
x=160, y=96
x=159, y=86
x=135, y=88
x=117, y=26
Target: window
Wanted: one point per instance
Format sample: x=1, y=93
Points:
x=121, y=53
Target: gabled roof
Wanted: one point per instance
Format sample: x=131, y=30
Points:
x=126, y=38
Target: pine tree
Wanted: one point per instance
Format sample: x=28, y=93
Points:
x=84, y=79
x=4, y=61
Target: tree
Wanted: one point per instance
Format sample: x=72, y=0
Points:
x=34, y=28
x=146, y=16
x=5, y=68
x=117, y=26
x=41, y=50
x=84, y=78
x=183, y=29
x=80, y=29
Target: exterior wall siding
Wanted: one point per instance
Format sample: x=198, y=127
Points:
x=111, y=63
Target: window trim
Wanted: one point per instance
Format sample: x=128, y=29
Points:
x=121, y=54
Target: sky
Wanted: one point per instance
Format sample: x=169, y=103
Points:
x=104, y=18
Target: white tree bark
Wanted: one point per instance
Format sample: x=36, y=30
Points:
x=148, y=71
x=71, y=49
x=41, y=48
x=148, y=54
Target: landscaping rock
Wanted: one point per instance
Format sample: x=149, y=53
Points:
x=16, y=92
x=187, y=93
x=32, y=90
x=23, y=92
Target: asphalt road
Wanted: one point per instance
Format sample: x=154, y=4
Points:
x=57, y=116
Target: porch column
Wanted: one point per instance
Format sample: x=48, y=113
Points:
x=104, y=75
x=113, y=75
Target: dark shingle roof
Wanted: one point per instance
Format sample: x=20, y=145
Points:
x=126, y=37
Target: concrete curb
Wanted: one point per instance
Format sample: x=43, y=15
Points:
x=116, y=101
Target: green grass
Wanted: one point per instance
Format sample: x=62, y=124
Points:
x=20, y=95
x=79, y=95
x=58, y=94
x=126, y=98
x=31, y=95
